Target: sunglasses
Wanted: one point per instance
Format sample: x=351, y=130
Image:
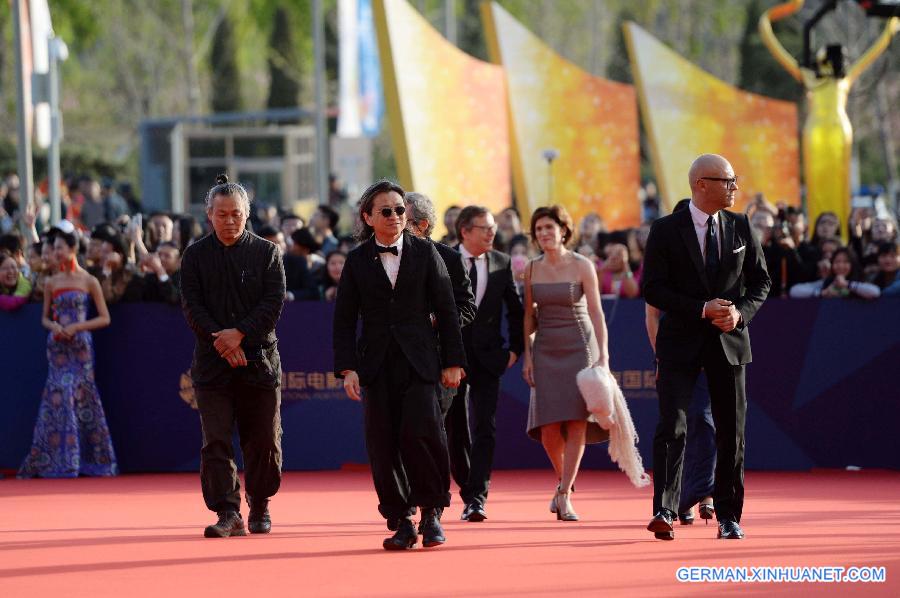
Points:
x=398, y=210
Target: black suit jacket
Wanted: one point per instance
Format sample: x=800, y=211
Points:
x=483, y=339
x=463, y=293
x=674, y=280
x=241, y=286
x=402, y=313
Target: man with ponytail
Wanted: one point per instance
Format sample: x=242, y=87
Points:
x=232, y=293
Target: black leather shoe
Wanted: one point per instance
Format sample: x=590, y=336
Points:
x=474, y=512
x=229, y=524
x=431, y=530
x=686, y=518
x=259, y=521
x=664, y=535
x=662, y=522
x=438, y=512
x=404, y=539
x=730, y=530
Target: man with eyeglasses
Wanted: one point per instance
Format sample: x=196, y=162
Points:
x=705, y=269
x=394, y=282
x=489, y=356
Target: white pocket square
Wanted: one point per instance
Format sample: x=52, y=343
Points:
x=739, y=249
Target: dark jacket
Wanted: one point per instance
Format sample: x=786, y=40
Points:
x=163, y=292
x=241, y=286
x=463, y=293
x=674, y=281
x=299, y=280
x=402, y=313
x=483, y=339
x=463, y=296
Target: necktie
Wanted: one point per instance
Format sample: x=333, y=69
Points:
x=391, y=249
x=712, y=252
x=473, y=276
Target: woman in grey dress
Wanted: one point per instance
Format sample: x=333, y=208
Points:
x=565, y=332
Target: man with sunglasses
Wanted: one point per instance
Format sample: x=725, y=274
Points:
x=394, y=282
x=705, y=269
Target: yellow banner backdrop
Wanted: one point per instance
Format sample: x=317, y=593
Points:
x=447, y=113
x=591, y=122
x=688, y=112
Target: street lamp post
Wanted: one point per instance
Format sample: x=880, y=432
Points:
x=550, y=154
x=58, y=52
x=23, y=112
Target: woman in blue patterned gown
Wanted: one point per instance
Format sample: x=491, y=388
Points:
x=71, y=436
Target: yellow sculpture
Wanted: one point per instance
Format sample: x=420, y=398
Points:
x=827, y=133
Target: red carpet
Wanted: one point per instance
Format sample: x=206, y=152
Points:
x=141, y=535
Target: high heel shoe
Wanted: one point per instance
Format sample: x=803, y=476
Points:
x=564, y=510
x=707, y=511
x=553, y=500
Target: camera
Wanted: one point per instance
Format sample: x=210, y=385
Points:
x=782, y=228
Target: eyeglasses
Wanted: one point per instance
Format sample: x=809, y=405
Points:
x=398, y=210
x=732, y=182
x=492, y=228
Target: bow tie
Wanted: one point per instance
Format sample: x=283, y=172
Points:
x=391, y=249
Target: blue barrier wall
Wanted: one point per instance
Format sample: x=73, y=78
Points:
x=822, y=387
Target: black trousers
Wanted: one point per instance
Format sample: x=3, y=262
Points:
x=405, y=439
x=455, y=414
x=257, y=412
x=728, y=400
x=472, y=453
x=698, y=476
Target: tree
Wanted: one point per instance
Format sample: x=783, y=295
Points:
x=759, y=72
x=619, y=68
x=226, y=80
x=470, y=37
x=284, y=71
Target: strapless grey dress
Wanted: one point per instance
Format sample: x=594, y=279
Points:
x=563, y=346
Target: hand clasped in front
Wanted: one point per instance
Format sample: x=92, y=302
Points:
x=722, y=313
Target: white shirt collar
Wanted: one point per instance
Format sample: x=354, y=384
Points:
x=398, y=244
x=699, y=216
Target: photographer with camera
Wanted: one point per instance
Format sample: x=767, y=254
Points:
x=783, y=261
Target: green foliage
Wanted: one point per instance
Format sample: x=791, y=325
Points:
x=284, y=72
x=872, y=168
x=618, y=68
x=470, y=33
x=76, y=21
x=225, y=94
x=73, y=159
x=759, y=72
x=128, y=61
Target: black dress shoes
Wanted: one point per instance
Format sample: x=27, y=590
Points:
x=404, y=539
x=661, y=525
x=730, y=530
x=229, y=524
x=474, y=512
x=259, y=521
x=686, y=518
x=430, y=528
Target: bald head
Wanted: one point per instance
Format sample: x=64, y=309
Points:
x=712, y=182
x=707, y=165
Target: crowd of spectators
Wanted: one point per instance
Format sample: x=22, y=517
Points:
x=136, y=256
